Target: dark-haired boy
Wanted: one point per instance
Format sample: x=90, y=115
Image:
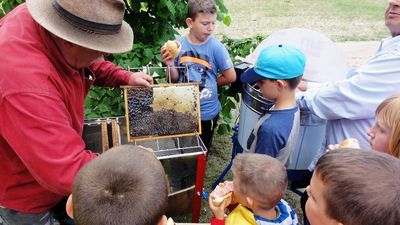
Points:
x=354, y=187
x=277, y=73
x=126, y=186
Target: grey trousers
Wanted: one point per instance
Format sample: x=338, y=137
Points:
x=12, y=217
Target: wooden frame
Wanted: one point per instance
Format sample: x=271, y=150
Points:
x=194, y=85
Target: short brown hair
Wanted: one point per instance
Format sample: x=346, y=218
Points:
x=292, y=82
x=126, y=186
x=362, y=186
x=260, y=177
x=388, y=113
x=201, y=6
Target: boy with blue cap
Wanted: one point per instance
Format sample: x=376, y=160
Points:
x=277, y=73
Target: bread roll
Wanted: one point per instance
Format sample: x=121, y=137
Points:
x=218, y=201
x=350, y=143
x=173, y=48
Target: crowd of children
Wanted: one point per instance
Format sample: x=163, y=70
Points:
x=348, y=186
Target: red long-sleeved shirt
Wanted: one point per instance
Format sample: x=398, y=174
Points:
x=215, y=221
x=41, y=114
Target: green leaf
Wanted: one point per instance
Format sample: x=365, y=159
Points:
x=148, y=53
x=230, y=104
x=170, y=7
x=222, y=129
x=227, y=20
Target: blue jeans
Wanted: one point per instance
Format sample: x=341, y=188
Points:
x=12, y=217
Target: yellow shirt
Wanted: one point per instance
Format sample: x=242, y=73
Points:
x=240, y=215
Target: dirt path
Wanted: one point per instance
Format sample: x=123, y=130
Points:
x=358, y=53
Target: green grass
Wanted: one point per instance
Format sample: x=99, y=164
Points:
x=341, y=20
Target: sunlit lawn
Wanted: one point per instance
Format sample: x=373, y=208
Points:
x=341, y=20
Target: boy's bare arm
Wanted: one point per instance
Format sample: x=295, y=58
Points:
x=228, y=76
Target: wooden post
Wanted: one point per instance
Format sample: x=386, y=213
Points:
x=104, y=135
x=115, y=133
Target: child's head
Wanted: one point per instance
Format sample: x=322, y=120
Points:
x=354, y=187
x=201, y=6
x=202, y=15
x=126, y=185
x=385, y=134
x=277, y=66
x=259, y=179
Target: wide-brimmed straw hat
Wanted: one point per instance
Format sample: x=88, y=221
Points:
x=94, y=24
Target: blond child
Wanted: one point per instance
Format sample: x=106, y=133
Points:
x=385, y=134
x=354, y=187
x=277, y=72
x=126, y=185
x=205, y=57
x=259, y=183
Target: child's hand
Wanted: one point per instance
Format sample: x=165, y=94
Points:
x=169, y=51
x=218, y=211
x=332, y=147
x=348, y=143
x=167, y=59
x=223, y=192
x=302, y=86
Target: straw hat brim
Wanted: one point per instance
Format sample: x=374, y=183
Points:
x=43, y=13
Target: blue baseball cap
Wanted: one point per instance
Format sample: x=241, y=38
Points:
x=276, y=62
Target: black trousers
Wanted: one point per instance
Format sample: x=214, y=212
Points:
x=207, y=132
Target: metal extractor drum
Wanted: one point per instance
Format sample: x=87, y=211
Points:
x=253, y=105
x=311, y=135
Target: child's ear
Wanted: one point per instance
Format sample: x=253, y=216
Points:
x=69, y=208
x=189, y=22
x=281, y=84
x=163, y=220
x=250, y=201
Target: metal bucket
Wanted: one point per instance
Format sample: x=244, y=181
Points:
x=253, y=105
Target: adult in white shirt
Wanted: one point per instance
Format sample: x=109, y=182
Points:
x=349, y=105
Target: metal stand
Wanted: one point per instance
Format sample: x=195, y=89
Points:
x=198, y=149
x=165, y=152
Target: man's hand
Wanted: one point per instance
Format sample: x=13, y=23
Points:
x=140, y=79
x=302, y=85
